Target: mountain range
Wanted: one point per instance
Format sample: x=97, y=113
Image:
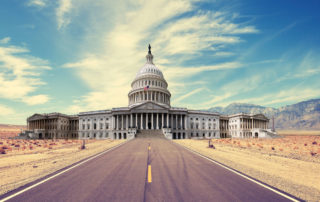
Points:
x=302, y=115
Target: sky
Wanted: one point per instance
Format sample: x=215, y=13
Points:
x=71, y=56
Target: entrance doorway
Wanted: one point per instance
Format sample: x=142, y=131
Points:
x=149, y=125
x=256, y=135
x=174, y=136
x=125, y=136
x=40, y=135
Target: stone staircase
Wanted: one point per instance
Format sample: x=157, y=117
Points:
x=149, y=134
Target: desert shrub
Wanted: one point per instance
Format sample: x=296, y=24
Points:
x=5, y=147
x=17, y=145
x=313, y=153
x=314, y=142
x=272, y=148
x=1, y=143
x=30, y=147
x=2, y=151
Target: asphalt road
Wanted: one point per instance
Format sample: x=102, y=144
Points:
x=122, y=175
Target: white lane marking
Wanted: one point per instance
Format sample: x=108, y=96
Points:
x=49, y=178
x=238, y=173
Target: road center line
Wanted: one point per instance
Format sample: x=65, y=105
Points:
x=149, y=174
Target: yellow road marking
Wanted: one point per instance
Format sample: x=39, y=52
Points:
x=149, y=174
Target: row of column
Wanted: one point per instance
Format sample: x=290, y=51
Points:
x=149, y=95
x=41, y=124
x=253, y=123
x=149, y=121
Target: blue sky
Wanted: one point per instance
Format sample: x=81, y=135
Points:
x=70, y=56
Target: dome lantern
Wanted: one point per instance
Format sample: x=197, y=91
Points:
x=149, y=56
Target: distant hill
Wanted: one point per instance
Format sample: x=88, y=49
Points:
x=302, y=115
x=7, y=130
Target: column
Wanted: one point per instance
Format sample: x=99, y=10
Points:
x=181, y=121
x=141, y=121
x=136, y=120
x=152, y=120
x=168, y=120
x=176, y=121
x=127, y=122
x=147, y=120
x=117, y=126
x=185, y=123
x=122, y=122
x=157, y=122
x=131, y=121
x=162, y=117
x=172, y=121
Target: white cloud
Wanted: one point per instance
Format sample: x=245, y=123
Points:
x=109, y=71
x=62, y=11
x=5, y=111
x=187, y=95
x=37, y=3
x=19, y=73
x=223, y=54
x=284, y=96
x=5, y=40
x=36, y=100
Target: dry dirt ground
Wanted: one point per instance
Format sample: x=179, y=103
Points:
x=290, y=163
x=298, y=132
x=7, y=131
x=23, y=161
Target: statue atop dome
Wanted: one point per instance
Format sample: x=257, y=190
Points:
x=149, y=56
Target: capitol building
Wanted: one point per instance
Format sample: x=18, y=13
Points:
x=149, y=113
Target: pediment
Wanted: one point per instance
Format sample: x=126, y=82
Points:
x=36, y=117
x=260, y=116
x=149, y=106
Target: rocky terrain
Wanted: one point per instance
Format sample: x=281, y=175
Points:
x=302, y=115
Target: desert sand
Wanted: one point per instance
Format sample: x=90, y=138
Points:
x=291, y=164
x=298, y=132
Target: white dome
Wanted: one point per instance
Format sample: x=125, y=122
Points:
x=149, y=85
x=149, y=69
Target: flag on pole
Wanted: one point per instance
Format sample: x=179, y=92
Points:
x=146, y=88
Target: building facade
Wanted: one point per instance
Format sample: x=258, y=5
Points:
x=149, y=112
x=53, y=126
